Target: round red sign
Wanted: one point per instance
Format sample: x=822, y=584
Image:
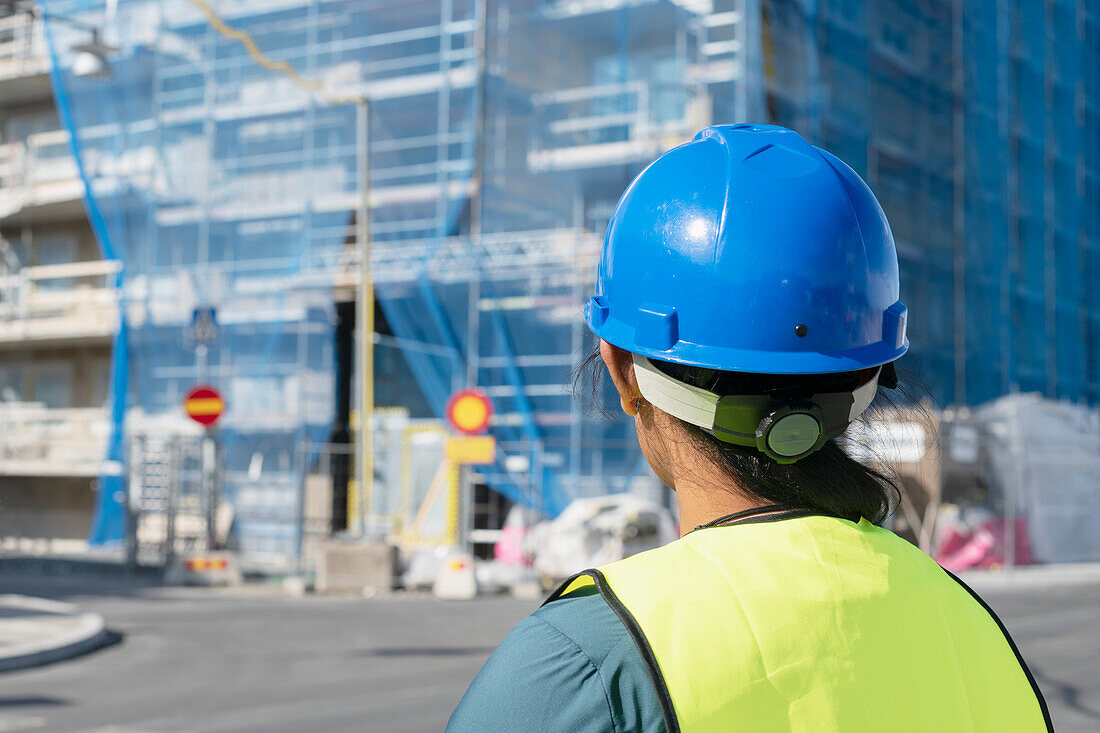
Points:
x=204, y=405
x=469, y=410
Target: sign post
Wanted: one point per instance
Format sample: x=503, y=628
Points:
x=469, y=413
x=205, y=405
x=202, y=334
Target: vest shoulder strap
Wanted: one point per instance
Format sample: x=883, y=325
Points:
x=594, y=577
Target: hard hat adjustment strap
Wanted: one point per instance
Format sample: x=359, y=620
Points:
x=693, y=405
x=785, y=431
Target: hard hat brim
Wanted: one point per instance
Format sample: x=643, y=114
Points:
x=620, y=334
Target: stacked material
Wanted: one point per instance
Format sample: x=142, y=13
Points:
x=1045, y=454
x=595, y=531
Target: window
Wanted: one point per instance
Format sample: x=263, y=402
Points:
x=56, y=250
x=53, y=383
x=11, y=382
x=99, y=376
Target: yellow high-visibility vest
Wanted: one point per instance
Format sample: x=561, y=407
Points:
x=817, y=624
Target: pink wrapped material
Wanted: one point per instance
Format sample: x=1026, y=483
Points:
x=509, y=548
x=981, y=547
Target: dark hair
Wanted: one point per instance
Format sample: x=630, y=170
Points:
x=828, y=480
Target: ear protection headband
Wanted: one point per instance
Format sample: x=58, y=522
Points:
x=783, y=430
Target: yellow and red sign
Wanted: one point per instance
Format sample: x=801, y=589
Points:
x=469, y=411
x=204, y=405
x=199, y=564
x=471, y=450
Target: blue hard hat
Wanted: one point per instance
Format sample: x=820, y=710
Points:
x=750, y=250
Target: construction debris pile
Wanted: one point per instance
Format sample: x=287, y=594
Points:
x=1012, y=482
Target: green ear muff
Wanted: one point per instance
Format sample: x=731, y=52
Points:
x=791, y=432
x=784, y=431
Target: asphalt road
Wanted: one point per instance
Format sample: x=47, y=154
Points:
x=1054, y=617
x=210, y=661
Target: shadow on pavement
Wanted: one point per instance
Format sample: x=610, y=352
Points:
x=62, y=579
x=1067, y=693
x=26, y=701
x=423, y=651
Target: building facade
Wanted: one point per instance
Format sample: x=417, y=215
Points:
x=59, y=309
x=501, y=134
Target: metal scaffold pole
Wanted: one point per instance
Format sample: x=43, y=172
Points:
x=361, y=502
x=958, y=218
x=467, y=491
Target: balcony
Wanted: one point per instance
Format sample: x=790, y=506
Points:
x=39, y=179
x=36, y=440
x=611, y=124
x=59, y=305
x=24, y=63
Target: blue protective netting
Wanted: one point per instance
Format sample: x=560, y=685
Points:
x=501, y=130
x=189, y=208
x=109, y=522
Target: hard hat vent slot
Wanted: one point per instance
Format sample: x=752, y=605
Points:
x=782, y=161
x=759, y=150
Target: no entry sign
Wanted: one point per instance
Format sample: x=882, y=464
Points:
x=204, y=405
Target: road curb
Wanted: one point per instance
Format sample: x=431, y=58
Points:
x=82, y=566
x=1033, y=576
x=90, y=633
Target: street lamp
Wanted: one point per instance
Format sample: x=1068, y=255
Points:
x=91, y=61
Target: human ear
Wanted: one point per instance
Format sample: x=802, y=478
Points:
x=620, y=365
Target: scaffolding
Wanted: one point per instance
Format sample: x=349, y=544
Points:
x=503, y=132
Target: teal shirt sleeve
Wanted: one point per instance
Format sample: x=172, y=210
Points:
x=571, y=667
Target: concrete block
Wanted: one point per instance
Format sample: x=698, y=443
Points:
x=352, y=566
x=205, y=568
x=456, y=580
x=294, y=586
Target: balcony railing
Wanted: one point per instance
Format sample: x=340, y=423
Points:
x=36, y=171
x=36, y=440
x=73, y=301
x=22, y=49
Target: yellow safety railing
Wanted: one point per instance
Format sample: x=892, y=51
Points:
x=445, y=480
